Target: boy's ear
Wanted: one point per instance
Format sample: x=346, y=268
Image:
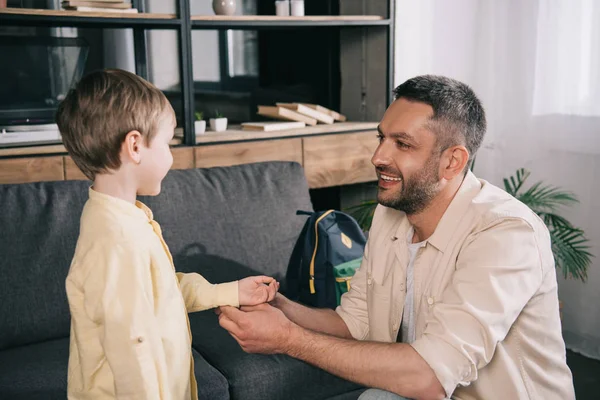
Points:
x=132, y=145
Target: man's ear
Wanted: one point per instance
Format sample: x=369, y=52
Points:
x=454, y=161
x=131, y=147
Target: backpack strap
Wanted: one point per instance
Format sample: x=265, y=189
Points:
x=294, y=270
x=312, y=261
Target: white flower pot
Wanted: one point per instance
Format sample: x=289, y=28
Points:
x=218, y=124
x=200, y=126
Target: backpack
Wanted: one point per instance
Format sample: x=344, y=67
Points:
x=327, y=253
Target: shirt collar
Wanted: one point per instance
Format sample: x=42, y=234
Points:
x=445, y=229
x=137, y=210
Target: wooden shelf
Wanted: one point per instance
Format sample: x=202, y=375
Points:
x=37, y=17
x=36, y=150
x=272, y=21
x=210, y=138
x=237, y=135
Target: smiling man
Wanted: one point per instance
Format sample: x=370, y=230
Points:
x=456, y=296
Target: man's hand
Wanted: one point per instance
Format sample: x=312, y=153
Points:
x=258, y=329
x=257, y=290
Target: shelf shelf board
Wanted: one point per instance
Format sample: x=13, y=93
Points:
x=36, y=17
x=275, y=22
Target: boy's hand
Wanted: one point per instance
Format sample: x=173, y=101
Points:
x=256, y=290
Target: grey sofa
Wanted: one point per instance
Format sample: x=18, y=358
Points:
x=225, y=223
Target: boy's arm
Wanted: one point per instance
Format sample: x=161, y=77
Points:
x=120, y=299
x=199, y=294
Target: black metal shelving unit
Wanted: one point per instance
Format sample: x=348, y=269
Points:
x=184, y=24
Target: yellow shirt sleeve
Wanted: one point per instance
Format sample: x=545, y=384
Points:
x=199, y=294
x=119, y=297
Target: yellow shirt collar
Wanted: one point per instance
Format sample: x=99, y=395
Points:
x=138, y=209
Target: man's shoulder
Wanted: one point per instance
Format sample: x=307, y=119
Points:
x=493, y=205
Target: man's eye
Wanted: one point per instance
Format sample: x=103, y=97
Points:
x=380, y=138
x=402, y=145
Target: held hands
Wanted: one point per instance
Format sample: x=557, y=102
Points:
x=256, y=290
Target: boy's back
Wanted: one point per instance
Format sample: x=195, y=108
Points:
x=121, y=273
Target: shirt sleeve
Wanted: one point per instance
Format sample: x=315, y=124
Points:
x=199, y=294
x=497, y=273
x=353, y=306
x=119, y=296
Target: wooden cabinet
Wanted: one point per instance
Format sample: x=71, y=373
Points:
x=249, y=152
x=332, y=159
x=31, y=169
x=342, y=159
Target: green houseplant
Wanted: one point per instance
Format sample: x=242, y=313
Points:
x=569, y=244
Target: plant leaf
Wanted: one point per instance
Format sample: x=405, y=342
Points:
x=547, y=198
x=513, y=185
x=363, y=213
x=570, y=249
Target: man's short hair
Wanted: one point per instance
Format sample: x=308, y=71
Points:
x=96, y=116
x=458, y=115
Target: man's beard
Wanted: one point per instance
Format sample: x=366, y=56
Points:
x=417, y=192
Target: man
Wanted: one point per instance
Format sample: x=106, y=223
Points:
x=456, y=270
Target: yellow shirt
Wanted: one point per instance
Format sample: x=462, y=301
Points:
x=130, y=336
x=485, y=297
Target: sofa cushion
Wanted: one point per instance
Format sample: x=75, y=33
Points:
x=39, y=228
x=39, y=371
x=257, y=376
x=243, y=215
x=33, y=372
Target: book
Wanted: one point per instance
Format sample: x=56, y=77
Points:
x=337, y=116
x=102, y=9
x=95, y=4
x=310, y=112
x=285, y=114
x=271, y=126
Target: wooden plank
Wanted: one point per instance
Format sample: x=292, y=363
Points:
x=314, y=18
x=339, y=159
x=19, y=170
x=285, y=114
x=68, y=13
x=49, y=149
x=33, y=150
x=221, y=155
x=72, y=171
x=183, y=158
x=235, y=134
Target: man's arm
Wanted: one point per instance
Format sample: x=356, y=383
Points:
x=321, y=320
x=395, y=367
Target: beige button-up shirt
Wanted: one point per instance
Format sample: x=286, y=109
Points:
x=130, y=336
x=485, y=297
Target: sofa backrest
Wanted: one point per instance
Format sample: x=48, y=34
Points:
x=225, y=223
x=39, y=225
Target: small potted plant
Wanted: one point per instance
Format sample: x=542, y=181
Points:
x=218, y=123
x=199, y=123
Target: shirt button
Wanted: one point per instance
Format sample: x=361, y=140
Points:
x=140, y=339
x=393, y=238
x=395, y=326
x=369, y=281
x=402, y=286
x=430, y=301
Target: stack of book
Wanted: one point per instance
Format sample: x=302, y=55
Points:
x=98, y=6
x=310, y=114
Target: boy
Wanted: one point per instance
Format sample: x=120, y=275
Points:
x=130, y=333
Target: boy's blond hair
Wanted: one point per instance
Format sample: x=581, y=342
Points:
x=101, y=110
